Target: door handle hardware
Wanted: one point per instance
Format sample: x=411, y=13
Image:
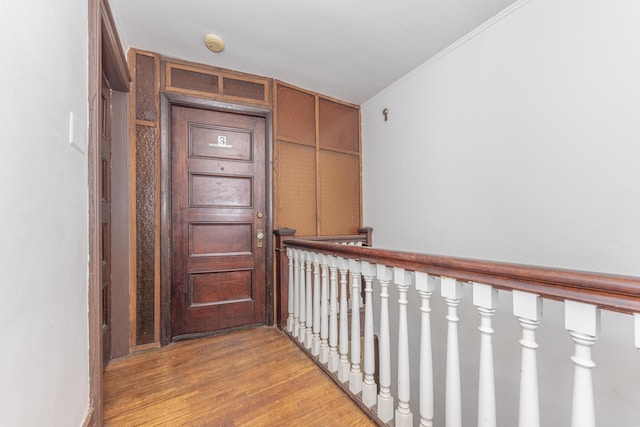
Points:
x=260, y=237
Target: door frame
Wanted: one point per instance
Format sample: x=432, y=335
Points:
x=167, y=101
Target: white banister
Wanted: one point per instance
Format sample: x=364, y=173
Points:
x=425, y=285
x=302, y=303
x=369, y=387
x=343, y=365
x=290, y=294
x=636, y=318
x=385, y=400
x=527, y=307
x=308, y=335
x=324, y=310
x=485, y=298
x=403, y=415
x=451, y=291
x=296, y=293
x=583, y=323
x=333, y=314
x=355, y=374
x=315, y=337
x=328, y=294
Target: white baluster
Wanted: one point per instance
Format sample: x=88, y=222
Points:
x=355, y=374
x=369, y=387
x=451, y=291
x=333, y=314
x=583, y=323
x=425, y=285
x=485, y=298
x=324, y=310
x=343, y=365
x=385, y=400
x=636, y=317
x=403, y=415
x=315, y=337
x=527, y=308
x=296, y=293
x=309, y=301
x=302, y=331
x=290, y=295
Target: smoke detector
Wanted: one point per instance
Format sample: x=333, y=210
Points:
x=214, y=43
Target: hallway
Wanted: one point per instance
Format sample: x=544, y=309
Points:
x=255, y=377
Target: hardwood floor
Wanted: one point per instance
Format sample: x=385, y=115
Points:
x=255, y=377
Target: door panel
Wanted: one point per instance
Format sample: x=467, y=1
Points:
x=218, y=188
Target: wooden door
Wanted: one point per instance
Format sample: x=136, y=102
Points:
x=218, y=221
x=105, y=217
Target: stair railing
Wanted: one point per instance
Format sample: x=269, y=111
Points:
x=322, y=287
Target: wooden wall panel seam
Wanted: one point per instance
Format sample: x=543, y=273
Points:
x=132, y=204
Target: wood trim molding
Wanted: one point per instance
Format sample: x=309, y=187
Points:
x=114, y=61
x=94, y=176
x=167, y=100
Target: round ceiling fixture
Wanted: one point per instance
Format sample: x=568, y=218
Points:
x=214, y=43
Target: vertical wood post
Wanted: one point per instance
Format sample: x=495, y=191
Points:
x=290, y=292
x=369, y=387
x=485, y=298
x=451, y=291
x=583, y=323
x=368, y=232
x=343, y=366
x=333, y=314
x=527, y=308
x=296, y=292
x=403, y=415
x=636, y=317
x=385, y=400
x=302, y=298
x=315, y=337
x=308, y=335
x=425, y=285
x=324, y=309
x=355, y=374
x=284, y=301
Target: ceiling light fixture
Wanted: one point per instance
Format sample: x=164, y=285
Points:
x=214, y=43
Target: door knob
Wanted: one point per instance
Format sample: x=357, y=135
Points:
x=260, y=237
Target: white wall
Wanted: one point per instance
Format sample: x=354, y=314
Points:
x=44, y=374
x=521, y=145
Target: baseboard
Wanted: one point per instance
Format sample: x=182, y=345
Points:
x=90, y=421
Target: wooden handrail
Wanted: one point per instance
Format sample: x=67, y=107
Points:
x=611, y=292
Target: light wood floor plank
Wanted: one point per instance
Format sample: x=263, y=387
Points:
x=255, y=377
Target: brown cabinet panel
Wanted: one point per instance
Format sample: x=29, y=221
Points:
x=296, y=115
x=339, y=194
x=339, y=126
x=295, y=202
x=192, y=80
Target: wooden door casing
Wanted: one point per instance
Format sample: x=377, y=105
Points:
x=105, y=217
x=218, y=205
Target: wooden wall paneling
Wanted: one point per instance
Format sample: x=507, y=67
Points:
x=339, y=193
x=296, y=115
x=211, y=82
x=338, y=125
x=132, y=206
x=145, y=201
x=190, y=80
x=318, y=168
x=295, y=202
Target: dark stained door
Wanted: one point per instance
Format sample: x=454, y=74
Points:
x=105, y=216
x=218, y=199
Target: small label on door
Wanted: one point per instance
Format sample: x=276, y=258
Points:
x=222, y=142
